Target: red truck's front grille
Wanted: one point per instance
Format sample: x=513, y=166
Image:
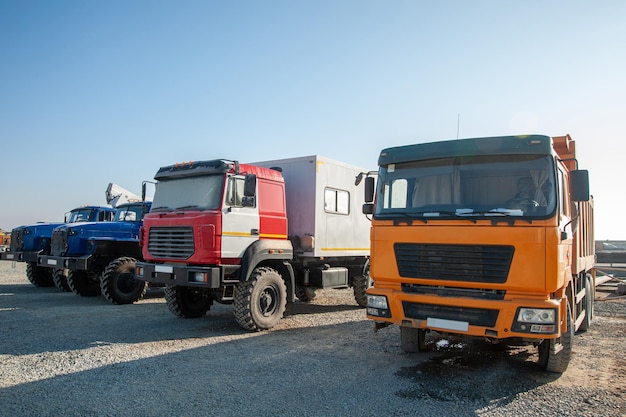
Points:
x=171, y=242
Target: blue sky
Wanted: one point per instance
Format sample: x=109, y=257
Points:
x=93, y=92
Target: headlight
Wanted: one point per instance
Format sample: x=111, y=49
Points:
x=536, y=315
x=377, y=306
x=377, y=301
x=536, y=320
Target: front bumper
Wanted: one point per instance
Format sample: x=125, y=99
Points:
x=182, y=275
x=82, y=263
x=19, y=256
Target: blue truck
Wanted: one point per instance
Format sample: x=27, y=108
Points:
x=30, y=241
x=100, y=257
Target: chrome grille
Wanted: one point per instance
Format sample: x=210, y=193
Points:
x=467, y=263
x=171, y=242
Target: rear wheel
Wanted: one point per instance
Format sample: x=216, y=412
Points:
x=360, y=284
x=38, y=275
x=188, y=302
x=555, y=354
x=588, y=304
x=412, y=340
x=260, y=302
x=84, y=283
x=119, y=284
x=306, y=294
x=59, y=277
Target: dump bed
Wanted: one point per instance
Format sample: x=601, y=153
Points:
x=323, y=206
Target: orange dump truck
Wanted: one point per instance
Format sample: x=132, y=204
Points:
x=486, y=237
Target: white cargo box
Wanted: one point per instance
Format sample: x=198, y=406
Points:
x=324, y=206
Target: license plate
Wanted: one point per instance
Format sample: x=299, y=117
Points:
x=10, y=256
x=461, y=326
x=52, y=261
x=164, y=268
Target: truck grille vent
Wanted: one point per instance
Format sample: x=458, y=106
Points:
x=171, y=242
x=17, y=240
x=474, y=316
x=467, y=263
x=58, y=244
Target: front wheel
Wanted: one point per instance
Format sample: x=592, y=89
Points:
x=84, y=283
x=38, y=275
x=119, y=284
x=260, y=302
x=59, y=277
x=412, y=340
x=555, y=354
x=188, y=302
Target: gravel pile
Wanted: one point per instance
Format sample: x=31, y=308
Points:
x=61, y=354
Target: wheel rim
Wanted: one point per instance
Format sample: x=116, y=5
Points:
x=268, y=301
x=126, y=282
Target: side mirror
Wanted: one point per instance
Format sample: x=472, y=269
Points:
x=249, y=187
x=369, y=189
x=579, y=185
x=368, y=208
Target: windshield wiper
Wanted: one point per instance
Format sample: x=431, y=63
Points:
x=188, y=207
x=161, y=208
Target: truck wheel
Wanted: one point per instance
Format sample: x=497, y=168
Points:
x=84, y=283
x=38, y=275
x=119, y=284
x=59, y=277
x=260, y=302
x=589, y=301
x=188, y=302
x=306, y=294
x=555, y=354
x=360, y=284
x=412, y=340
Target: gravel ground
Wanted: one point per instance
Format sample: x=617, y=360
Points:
x=61, y=354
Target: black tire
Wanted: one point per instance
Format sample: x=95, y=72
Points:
x=589, y=302
x=38, y=275
x=84, y=283
x=260, y=302
x=119, y=284
x=555, y=354
x=412, y=340
x=360, y=284
x=188, y=302
x=306, y=294
x=59, y=277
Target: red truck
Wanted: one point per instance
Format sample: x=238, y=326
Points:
x=255, y=235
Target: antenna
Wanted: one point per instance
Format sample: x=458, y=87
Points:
x=458, y=124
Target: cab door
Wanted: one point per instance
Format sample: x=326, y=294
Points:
x=240, y=225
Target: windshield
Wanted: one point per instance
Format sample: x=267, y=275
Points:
x=199, y=193
x=500, y=185
x=129, y=214
x=82, y=215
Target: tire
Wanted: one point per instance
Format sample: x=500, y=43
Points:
x=306, y=294
x=589, y=301
x=84, y=283
x=59, y=277
x=188, y=302
x=412, y=340
x=38, y=275
x=260, y=302
x=119, y=284
x=360, y=284
x=549, y=358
